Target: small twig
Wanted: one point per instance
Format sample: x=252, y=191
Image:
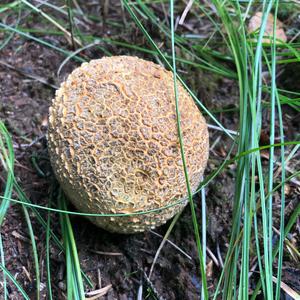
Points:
x=174, y=245
x=99, y=278
x=20, y=237
x=216, y=141
x=140, y=292
x=212, y=256
x=219, y=255
x=27, y=273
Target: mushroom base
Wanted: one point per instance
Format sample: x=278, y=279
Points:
x=137, y=223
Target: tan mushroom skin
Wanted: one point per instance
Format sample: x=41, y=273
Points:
x=114, y=146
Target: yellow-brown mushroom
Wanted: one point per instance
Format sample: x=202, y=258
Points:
x=114, y=146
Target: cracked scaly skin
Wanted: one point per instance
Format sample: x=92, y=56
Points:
x=113, y=142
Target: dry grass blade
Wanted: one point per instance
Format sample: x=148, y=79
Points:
x=293, y=294
x=185, y=12
x=213, y=257
x=210, y=126
x=290, y=247
x=98, y=293
x=106, y=253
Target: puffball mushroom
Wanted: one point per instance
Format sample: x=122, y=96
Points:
x=114, y=146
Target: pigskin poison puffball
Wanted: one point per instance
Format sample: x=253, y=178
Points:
x=113, y=142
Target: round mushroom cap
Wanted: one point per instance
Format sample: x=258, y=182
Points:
x=114, y=147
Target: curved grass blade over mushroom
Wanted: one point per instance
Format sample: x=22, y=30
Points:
x=225, y=164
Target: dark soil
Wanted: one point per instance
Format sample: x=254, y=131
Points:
x=28, y=73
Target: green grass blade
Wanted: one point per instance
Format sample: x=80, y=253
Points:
x=48, y=237
x=14, y=281
x=3, y=264
x=203, y=228
x=288, y=227
x=22, y=196
x=11, y=34
x=190, y=196
x=35, y=252
x=74, y=278
x=7, y=159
